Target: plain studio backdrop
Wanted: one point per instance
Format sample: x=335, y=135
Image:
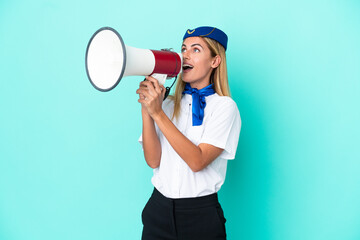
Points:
x=71, y=166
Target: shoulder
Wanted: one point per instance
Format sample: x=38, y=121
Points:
x=221, y=103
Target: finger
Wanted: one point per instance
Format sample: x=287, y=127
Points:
x=141, y=96
x=155, y=83
x=144, y=83
x=150, y=78
x=145, y=93
x=142, y=89
x=151, y=88
x=157, y=86
x=149, y=95
x=142, y=101
x=147, y=84
x=163, y=91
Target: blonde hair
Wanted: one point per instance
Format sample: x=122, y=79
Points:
x=218, y=76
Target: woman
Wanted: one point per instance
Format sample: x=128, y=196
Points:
x=187, y=140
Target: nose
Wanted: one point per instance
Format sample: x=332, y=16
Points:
x=185, y=55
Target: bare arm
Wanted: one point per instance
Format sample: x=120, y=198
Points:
x=151, y=142
x=196, y=157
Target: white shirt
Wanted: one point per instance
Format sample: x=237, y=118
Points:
x=220, y=128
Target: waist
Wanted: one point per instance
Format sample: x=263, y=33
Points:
x=186, y=203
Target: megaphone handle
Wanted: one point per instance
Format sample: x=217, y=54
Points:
x=160, y=77
x=167, y=91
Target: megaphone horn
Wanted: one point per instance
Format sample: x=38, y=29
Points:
x=108, y=60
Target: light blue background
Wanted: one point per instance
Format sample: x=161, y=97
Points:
x=70, y=164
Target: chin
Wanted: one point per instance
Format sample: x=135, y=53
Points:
x=185, y=79
x=188, y=81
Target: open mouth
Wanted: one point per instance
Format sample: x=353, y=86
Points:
x=187, y=67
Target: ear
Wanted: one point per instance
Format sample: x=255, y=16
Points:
x=215, y=62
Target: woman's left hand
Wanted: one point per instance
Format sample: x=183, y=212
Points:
x=153, y=95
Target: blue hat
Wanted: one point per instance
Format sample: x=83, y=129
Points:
x=209, y=32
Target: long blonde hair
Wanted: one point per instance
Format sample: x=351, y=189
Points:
x=218, y=76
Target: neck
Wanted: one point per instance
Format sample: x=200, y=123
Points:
x=200, y=85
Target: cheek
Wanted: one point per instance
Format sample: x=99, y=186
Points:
x=201, y=62
x=203, y=65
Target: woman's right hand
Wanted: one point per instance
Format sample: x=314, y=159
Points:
x=151, y=95
x=142, y=97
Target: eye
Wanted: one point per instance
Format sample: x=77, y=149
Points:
x=183, y=50
x=196, y=50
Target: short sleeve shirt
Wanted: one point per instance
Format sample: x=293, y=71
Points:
x=220, y=128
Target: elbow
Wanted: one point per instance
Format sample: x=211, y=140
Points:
x=152, y=160
x=197, y=164
x=195, y=170
x=197, y=167
x=154, y=163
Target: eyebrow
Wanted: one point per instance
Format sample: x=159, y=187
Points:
x=195, y=44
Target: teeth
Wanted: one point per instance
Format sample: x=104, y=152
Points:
x=187, y=66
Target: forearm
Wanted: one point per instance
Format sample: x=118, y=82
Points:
x=151, y=142
x=151, y=97
x=187, y=150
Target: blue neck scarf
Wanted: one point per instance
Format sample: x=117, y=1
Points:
x=198, y=102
